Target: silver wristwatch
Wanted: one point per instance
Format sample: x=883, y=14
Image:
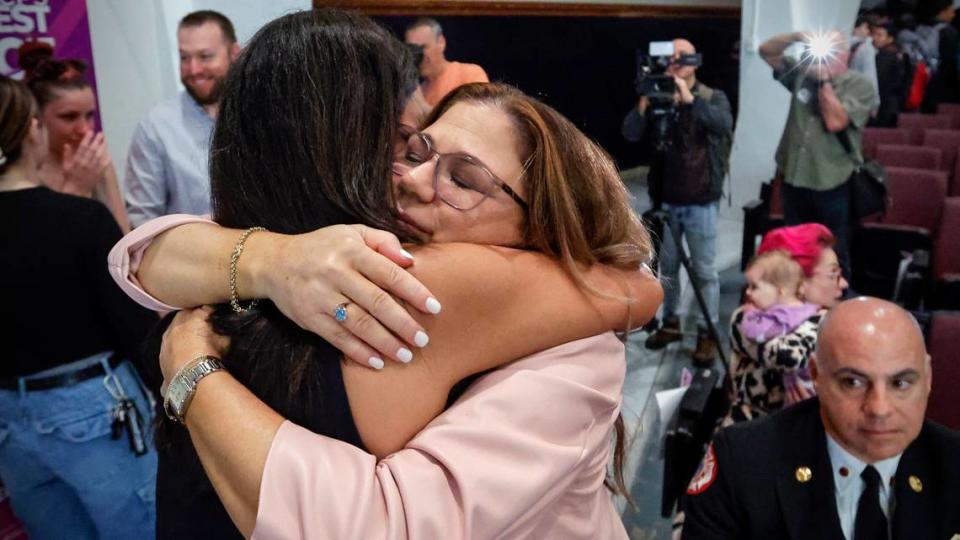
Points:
x=184, y=385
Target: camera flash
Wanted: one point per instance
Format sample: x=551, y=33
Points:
x=820, y=46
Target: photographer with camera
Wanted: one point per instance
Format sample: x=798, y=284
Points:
x=690, y=127
x=820, y=146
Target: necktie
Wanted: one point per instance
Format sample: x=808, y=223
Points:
x=871, y=524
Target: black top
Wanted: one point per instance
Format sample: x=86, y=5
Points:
x=187, y=505
x=944, y=87
x=892, y=82
x=690, y=170
x=60, y=303
x=772, y=478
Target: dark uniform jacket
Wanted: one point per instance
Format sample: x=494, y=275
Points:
x=700, y=133
x=772, y=479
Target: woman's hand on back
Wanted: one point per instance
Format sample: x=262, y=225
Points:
x=309, y=275
x=189, y=336
x=83, y=166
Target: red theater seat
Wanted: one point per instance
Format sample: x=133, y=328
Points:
x=948, y=141
x=915, y=204
x=944, y=406
x=915, y=198
x=945, y=293
x=916, y=157
x=952, y=110
x=917, y=122
x=872, y=137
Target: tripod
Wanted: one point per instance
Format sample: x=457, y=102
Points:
x=659, y=220
x=704, y=401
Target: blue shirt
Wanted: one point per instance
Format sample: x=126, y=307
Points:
x=167, y=163
x=849, y=487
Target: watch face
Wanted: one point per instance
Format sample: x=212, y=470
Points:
x=176, y=394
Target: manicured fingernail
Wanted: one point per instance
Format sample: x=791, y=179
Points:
x=404, y=355
x=421, y=339
x=406, y=254
x=375, y=362
x=433, y=306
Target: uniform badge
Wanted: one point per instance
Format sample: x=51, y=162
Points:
x=706, y=473
x=915, y=484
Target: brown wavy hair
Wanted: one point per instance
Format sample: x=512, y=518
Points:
x=580, y=210
x=45, y=76
x=17, y=110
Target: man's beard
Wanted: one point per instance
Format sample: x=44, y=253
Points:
x=216, y=92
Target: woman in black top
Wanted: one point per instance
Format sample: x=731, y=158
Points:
x=301, y=142
x=66, y=385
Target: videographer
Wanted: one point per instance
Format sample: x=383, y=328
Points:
x=829, y=107
x=691, y=132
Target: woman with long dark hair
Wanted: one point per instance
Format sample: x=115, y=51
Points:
x=534, y=181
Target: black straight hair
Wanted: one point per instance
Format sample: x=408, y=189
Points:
x=302, y=141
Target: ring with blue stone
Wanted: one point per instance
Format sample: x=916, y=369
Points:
x=340, y=312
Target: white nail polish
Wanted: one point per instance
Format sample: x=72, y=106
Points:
x=433, y=306
x=406, y=254
x=421, y=339
x=375, y=362
x=404, y=355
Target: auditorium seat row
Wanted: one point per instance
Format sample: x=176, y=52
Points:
x=942, y=340
x=938, y=151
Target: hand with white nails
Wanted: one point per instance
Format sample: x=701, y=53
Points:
x=309, y=275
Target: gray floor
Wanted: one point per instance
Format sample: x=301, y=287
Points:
x=651, y=371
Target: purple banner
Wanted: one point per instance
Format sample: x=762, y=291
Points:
x=61, y=23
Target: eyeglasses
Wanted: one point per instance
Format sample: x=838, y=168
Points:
x=833, y=275
x=460, y=180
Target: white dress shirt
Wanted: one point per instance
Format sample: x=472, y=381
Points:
x=167, y=163
x=849, y=486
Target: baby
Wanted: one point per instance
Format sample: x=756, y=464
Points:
x=774, y=309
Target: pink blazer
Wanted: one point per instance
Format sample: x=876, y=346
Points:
x=522, y=454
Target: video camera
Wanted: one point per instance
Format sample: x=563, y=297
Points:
x=658, y=86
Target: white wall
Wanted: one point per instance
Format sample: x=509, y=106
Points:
x=763, y=101
x=135, y=53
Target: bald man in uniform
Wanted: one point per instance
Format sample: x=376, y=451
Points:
x=858, y=462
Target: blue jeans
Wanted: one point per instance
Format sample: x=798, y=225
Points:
x=698, y=224
x=65, y=475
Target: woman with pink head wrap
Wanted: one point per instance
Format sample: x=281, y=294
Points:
x=758, y=370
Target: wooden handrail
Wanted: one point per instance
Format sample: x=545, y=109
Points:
x=530, y=9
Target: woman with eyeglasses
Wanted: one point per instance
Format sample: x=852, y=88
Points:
x=757, y=370
x=548, y=251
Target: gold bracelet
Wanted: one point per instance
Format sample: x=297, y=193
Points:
x=234, y=258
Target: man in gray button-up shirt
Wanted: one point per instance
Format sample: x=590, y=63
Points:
x=167, y=163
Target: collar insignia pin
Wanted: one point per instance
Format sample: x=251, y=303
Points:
x=917, y=486
x=803, y=474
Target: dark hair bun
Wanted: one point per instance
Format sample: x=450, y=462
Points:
x=33, y=53
x=50, y=70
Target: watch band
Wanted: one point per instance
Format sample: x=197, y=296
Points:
x=184, y=385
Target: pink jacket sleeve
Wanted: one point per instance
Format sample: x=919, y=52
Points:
x=522, y=454
x=124, y=259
